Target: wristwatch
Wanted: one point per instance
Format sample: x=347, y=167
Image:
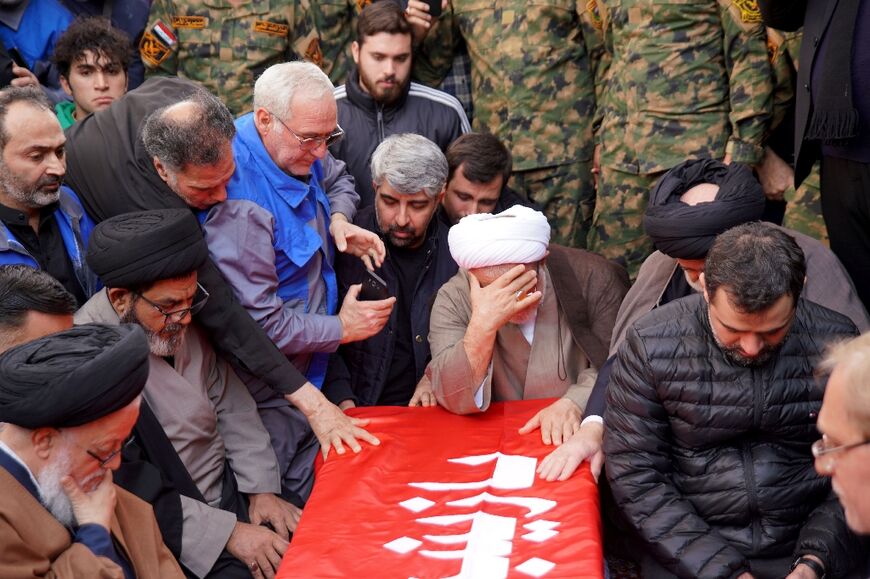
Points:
x=812, y=564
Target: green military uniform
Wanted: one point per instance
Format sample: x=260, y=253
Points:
x=534, y=67
x=336, y=22
x=803, y=210
x=688, y=79
x=226, y=47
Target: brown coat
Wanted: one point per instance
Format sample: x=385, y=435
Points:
x=588, y=290
x=34, y=544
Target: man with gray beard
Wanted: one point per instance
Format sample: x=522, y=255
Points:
x=42, y=224
x=69, y=402
x=148, y=262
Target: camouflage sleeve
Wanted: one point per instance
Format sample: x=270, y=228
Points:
x=750, y=79
x=592, y=15
x=158, y=47
x=305, y=42
x=335, y=26
x=434, y=57
x=783, y=76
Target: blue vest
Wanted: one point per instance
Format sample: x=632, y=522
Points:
x=293, y=204
x=75, y=229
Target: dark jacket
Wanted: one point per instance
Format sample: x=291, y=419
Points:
x=359, y=370
x=710, y=461
x=791, y=15
x=434, y=114
x=109, y=168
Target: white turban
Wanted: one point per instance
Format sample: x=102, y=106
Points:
x=516, y=235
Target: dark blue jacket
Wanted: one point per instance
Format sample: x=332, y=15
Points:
x=359, y=370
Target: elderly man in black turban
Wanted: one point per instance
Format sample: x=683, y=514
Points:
x=69, y=402
x=229, y=476
x=689, y=206
x=692, y=204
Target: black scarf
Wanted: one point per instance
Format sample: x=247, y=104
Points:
x=835, y=118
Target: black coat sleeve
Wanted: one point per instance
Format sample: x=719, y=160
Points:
x=783, y=14
x=597, y=398
x=827, y=536
x=638, y=459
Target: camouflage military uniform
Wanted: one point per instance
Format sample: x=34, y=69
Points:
x=803, y=210
x=533, y=71
x=688, y=79
x=227, y=47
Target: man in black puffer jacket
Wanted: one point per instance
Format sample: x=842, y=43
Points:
x=711, y=415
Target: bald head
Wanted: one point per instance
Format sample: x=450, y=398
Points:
x=194, y=131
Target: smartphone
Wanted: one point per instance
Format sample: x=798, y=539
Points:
x=373, y=288
x=434, y=8
x=17, y=58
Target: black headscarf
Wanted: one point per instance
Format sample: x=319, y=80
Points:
x=140, y=248
x=687, y=231
x=73, y=377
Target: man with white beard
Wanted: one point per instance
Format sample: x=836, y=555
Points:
x=69, y=402
x=42, y=224
x=523, y=319
x=148, y=262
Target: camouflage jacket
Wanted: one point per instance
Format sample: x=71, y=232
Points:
x=534, y=66
x=688, y=79
x=336, y=23
x=225, y=48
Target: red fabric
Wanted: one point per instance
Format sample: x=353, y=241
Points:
x=353, y=510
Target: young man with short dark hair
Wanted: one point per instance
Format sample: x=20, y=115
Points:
x=92, y=59
x=380, y=100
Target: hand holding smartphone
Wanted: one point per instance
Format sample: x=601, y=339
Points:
x=373, y=288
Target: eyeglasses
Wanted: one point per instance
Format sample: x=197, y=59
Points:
x=178, y=315
x=310, y=143
x=104, y=461
x=822, y=448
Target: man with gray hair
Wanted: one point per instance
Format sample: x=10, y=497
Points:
x=274, y=238
x=409, y=173
x=184, y=160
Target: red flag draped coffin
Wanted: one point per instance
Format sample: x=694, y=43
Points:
x=447, y=496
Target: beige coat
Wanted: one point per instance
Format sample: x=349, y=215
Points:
x=34, y=544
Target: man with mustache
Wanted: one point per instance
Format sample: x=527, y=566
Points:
x=43, y=224
x=409, y=172
x=230, y=479
x=711, y=413
x=380, y=100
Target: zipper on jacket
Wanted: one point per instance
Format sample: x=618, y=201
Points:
x=381, y=136
x=752, y=495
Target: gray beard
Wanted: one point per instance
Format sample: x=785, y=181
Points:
x=695, y=285
x=28, y=195
x=53, y=496
x=159, y=345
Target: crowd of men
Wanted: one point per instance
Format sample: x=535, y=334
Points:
x=224, y=225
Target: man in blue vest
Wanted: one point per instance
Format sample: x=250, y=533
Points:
x=42, y=223
x=274, y=238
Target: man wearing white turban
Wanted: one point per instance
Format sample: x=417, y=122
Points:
x=522, y=319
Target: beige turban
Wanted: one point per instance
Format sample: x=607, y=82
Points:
x=516, y=235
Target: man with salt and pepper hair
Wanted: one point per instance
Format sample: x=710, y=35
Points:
x=522, y=319
x=409, y=173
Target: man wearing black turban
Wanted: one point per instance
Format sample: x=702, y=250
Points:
x=689, y=206
x=69, y=401
x=148, y=261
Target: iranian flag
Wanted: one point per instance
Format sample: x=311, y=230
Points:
x=447, y=496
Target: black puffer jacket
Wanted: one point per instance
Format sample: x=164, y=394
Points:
x=710, y=461
x=425, y=111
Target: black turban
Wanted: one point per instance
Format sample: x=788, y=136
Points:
x=73, y=377
x=140, y=248
x=687, y=231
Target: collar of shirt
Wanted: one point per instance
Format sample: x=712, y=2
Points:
x=11, y=216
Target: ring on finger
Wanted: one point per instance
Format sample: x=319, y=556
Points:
x=254, y=566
